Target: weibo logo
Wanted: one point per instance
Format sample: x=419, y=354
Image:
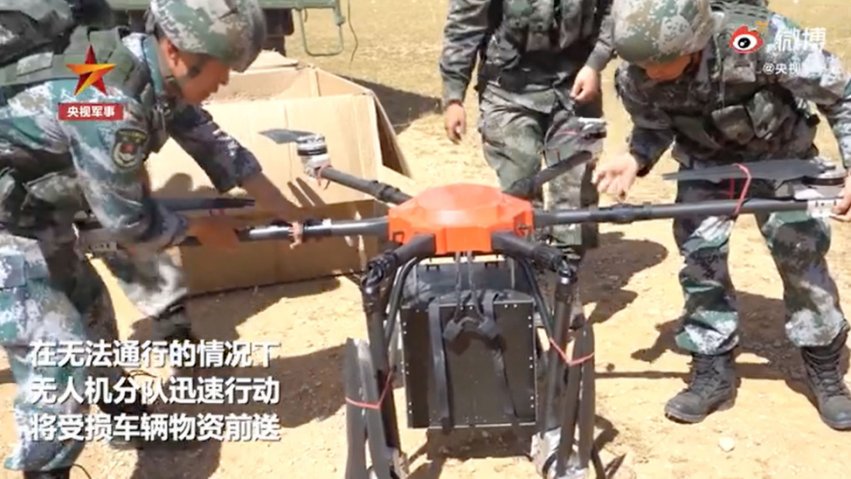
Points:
x=745, y=40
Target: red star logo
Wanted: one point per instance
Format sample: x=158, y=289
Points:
x=91, y=73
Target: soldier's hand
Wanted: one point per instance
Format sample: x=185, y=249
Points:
x=616, y=176
x=216, y=231
x=586, y=87
x=455, y=122
x=842, y=211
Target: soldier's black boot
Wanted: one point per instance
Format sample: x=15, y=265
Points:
x=64, y=473
x=827, y=384
x=173, y=326
x=712, y=388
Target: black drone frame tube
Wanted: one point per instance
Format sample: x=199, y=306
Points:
x=630, y=213
x=396, y=295
x=512, y=245
x=380, y=191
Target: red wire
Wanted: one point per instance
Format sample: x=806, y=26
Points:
x=319, y=176
x=376, y=405
x=745, y=189
x=567, y=360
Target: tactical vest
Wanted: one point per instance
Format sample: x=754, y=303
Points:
x=31, y=25
x=746, y=117
x=543, y=37
x=38, y=187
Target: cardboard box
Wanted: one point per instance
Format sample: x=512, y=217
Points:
x=274, y=93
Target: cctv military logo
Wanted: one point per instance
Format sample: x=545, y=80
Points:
x=91, y=75
x=746, y=40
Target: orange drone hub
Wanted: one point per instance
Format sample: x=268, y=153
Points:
x=461, y=217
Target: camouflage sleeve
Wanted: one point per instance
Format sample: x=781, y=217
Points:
x=811, y=73
x=603, y=49
x=652, y=133
x=227, y=163
x=465, y=30
x=109, y=159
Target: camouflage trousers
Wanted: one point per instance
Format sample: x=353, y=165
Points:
x=798, y=243
x=516, y=128
x=156, y=286
x=49, y=293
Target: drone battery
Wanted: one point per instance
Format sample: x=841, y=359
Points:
x=469, y=379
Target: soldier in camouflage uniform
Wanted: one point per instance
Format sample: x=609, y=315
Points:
x=155, y=284
x=51, y=169
x=684, y=85
x=539, y=69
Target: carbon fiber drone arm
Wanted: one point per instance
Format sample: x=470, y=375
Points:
x=313, y=152
x=809, y=185
x=628, y=213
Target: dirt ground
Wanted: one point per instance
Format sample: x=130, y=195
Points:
x=629, y=288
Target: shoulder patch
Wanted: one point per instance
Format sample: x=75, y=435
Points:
x=130, y=148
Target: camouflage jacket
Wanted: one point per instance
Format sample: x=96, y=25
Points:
x=497, y=35
x=107, y=158
x=733, y=106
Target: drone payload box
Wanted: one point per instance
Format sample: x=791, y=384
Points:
x=277, y=93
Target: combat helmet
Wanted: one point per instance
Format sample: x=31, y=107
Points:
x=659, y=31
x=231, y=31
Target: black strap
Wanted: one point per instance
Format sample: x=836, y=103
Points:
x=438, y=356
x=496, y=349
x=483, y=323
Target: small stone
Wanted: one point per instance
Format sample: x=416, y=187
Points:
x=727, y=444
x=778, y=343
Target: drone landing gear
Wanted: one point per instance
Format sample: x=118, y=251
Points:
x=365, y=419
x=563, y=445
x=569, y=402
x=368, y=372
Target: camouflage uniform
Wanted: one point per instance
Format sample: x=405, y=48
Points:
x=523, y=85
x=53, y=169
x=732, y=107
x=156, y=285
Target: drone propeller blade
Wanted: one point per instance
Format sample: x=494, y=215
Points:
x=561, y=165
x=776, y=170
x=282, y=136
x=189, y=204
x=525, y=188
